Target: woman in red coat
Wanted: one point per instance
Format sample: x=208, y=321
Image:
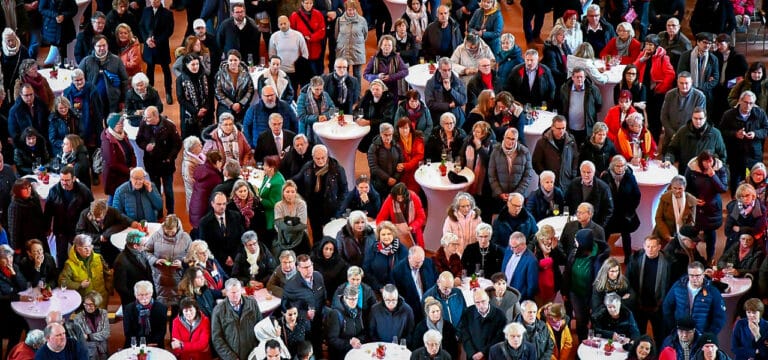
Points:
x=117, y=153
x=617, y=114
x=191, y=333
x=206, y=176
x=403, y=208
x=624, y=44
x=411, y=142
x=311, y=23
x=662, y=79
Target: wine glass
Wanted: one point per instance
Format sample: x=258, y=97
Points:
x=133, y=344
x=566, y=212
x=528, y=114
x=403, y=343
x=143, y=344
x=555, y=209
x=429, y=161
x=444, y=156
x=394, y=340
x=63, y=288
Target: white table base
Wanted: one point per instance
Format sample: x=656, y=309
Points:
x=154, y=354
x=342, y=142
x=738, y=287
x=396, y=9
x=652, y=183
x=440, y=193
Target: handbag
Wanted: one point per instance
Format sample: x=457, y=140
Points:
x=631, y=15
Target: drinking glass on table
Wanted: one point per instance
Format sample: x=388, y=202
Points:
x=63, y=288
x=133, y=344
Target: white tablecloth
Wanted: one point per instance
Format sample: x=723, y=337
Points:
x=61, y=82
x=118, y=239
x=35, y=313
x=255, y=177
x=534, y=131
x=606, y=90
x=738, y=287
x=588, y=352
x=417, y=78
x=652, y=183
x=366, y=351
x=342, y=142
x=440, y=193
x=44, y=189
x=154, y=354
x=484, y=283
x=132, y=131
x=266, y=306
x=334, y=226
x=557, y=222
x=396, y=9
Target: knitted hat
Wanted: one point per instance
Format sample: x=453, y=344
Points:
x=708, y=338
x=198, y=23
x=113, y=119
x=134, y=237
x=585, y=238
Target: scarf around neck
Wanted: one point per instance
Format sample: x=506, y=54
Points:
x=246, y=208
x=342, y=84
x=116, y=135
x=433, y=326
x=253, y=260
x=145, y=326
x=229, y=143
x=319, y=173
x=9, y=51
x=622, y=47
x=418, y=21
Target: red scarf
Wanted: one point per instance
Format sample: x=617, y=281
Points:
x=213, y=283
x=246, y=208
x=38, y=84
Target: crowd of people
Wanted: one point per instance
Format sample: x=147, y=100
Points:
x=695, y=104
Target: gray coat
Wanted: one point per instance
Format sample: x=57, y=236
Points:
x=92, y=68
x=673, y=116
x=166, y=278
x=226, y=93
x=564, y=164
x=505, y=181
x=351, y=33
x=232, y=335
x=97, y=339
x=383, y=164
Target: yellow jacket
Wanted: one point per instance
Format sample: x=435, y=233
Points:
x=97, y=271
x=564, y=350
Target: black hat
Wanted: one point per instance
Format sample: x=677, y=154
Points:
x=685, y=323
x=708, y=338
x=456, y=178
x=689, y=232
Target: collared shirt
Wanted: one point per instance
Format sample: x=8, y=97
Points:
x=531, y=76
x=512, y=266
x=417, y=281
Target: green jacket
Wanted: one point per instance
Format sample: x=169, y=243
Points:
x=271, y=193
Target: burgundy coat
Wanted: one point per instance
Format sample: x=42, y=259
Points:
x=116, y=168
x=206, y=178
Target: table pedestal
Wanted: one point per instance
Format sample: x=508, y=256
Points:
x=738, y=287
x=646, y=211
x=396, y=10
x=345, y=152
x=437, y=202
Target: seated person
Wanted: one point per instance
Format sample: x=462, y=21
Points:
x=615, y=321
x=546, y=199
x=38, y=265
x=145, y=318
x=344, y=324
x=743, y=258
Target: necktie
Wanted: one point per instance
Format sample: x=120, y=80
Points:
x=222, y=226
x=279, y=143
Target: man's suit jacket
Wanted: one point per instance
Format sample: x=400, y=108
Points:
x=222, y=244
x=297, y=289
x=266, y=143
x=401, y=277
x=526, y=276
x=600, y=197
x=665, y=215
x=160, y=26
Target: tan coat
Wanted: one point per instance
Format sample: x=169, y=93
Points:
x=665, y=215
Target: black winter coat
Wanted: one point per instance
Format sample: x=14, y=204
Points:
x=131, y=266
x=626, y=199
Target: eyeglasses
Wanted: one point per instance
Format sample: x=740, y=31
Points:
x=695, y=275
x=632, y=73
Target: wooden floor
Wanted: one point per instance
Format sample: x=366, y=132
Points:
x=513, y=24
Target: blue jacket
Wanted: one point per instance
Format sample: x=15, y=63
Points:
x=307, y=119
x=53, y=32
x=505, y=225
x=507, y=61
x=125, y=202
x=494, y=26
x=708, y=310
x=20, y=117
x=673, y=341
x=385, y=324
x=743, y=344
x=438, y=101
x=378, y=267
x=526, y=276
x=90, y=112
x=452, y=307
x=256, y=120
x=538, y=206
x=401, y=277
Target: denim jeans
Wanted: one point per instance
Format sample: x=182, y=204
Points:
x=167, y=189
x=35, y=37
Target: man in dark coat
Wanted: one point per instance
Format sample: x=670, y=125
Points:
x=648, y=272
x=597, y=31
x=307, y=288
x=145, y=317
x=296, y=156
x=28, y=110
x=525, y=91
x=221, y=229
x=445, y=92
x=433, y=43
x=712, y=16
x=481, y=326
x=583, y=220
x=580, y=101
x=323, y=184
x=484, y=79
x=7, y=178
x=588, y=188
x=131, y=267
x=106, y=72
x=626, y=198
x=66, y=200
x=514, y=217
x=257, y=116
x=338, y=79
x=275, y=140
x=704, y=66
x=85, y=38
x=744, y=129
x=161, y=142
x=413, y=277
x=239, y=32
x=557, y=151
x=156, y=26
x=484, y=255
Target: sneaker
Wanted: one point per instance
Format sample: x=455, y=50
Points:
x=169, y=99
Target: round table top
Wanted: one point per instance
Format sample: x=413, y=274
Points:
x=266, y=305
x=614, y=75
x=332, y=130
x=428, y=176
x=399, y=2
x=418, y=75
x=44, y=189
x=154, y=354
x=255, y=73
x=61, y=82
x=655, y=175
x=66, y=302
x=334, y=226
x=557, y=222
x=589, y=352
x=255, y=177
x=366, y=351
x=540, y=125
x=737, y=286
x=130, y=130
x=484, y=283
x=118, y=239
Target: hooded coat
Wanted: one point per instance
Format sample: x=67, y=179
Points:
x=334, y=270
x=166, y=278
x=76, y=269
